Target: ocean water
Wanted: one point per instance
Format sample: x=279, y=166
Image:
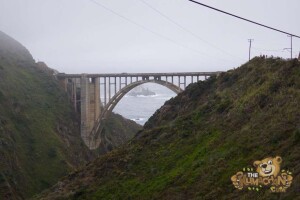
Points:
x=141, y=108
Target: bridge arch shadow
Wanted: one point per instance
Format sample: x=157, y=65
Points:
x=108, y=108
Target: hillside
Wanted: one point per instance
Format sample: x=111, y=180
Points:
x=117, y=130
x=39, y=132
x=190, y=148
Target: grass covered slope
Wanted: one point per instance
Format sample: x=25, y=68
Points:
x=117, y=130
x=192, y=146
x=39, y=137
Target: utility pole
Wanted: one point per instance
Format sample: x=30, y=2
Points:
x=291, y=45
x=250, y=43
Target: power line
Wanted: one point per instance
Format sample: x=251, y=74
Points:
x=185, y=29
x=271, y=50
x=253, y=22
x=284, y=50
x=146, y=29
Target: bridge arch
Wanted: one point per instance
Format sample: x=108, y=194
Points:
x=108, y=108
x=84, y=92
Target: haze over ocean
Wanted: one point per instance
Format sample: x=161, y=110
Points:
x=141, y=108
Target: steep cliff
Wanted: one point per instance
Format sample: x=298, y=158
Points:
x=39, y=132
x=190, y=148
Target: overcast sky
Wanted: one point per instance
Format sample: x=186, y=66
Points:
x=80, y=36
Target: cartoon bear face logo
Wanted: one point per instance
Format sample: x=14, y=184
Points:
x=268, y=166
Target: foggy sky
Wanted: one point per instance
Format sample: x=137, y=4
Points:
x=79, y=36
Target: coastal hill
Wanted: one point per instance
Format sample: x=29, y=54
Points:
x=192, y=146
x=39, y=131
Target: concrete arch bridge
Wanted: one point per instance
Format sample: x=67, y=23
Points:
x=86, y=90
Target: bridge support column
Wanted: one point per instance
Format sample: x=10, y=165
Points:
x=63, y=82
x=90, y=108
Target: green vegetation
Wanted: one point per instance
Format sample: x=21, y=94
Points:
x=190, y=148
x=36, y=124
x=116, y=130
x=39, y=132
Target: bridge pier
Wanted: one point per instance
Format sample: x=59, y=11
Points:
x=90, y=108
x=63, y=82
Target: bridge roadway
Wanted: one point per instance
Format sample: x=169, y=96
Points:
x=63, y=75
x=85, y=92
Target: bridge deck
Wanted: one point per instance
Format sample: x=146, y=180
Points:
x=63, y=75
